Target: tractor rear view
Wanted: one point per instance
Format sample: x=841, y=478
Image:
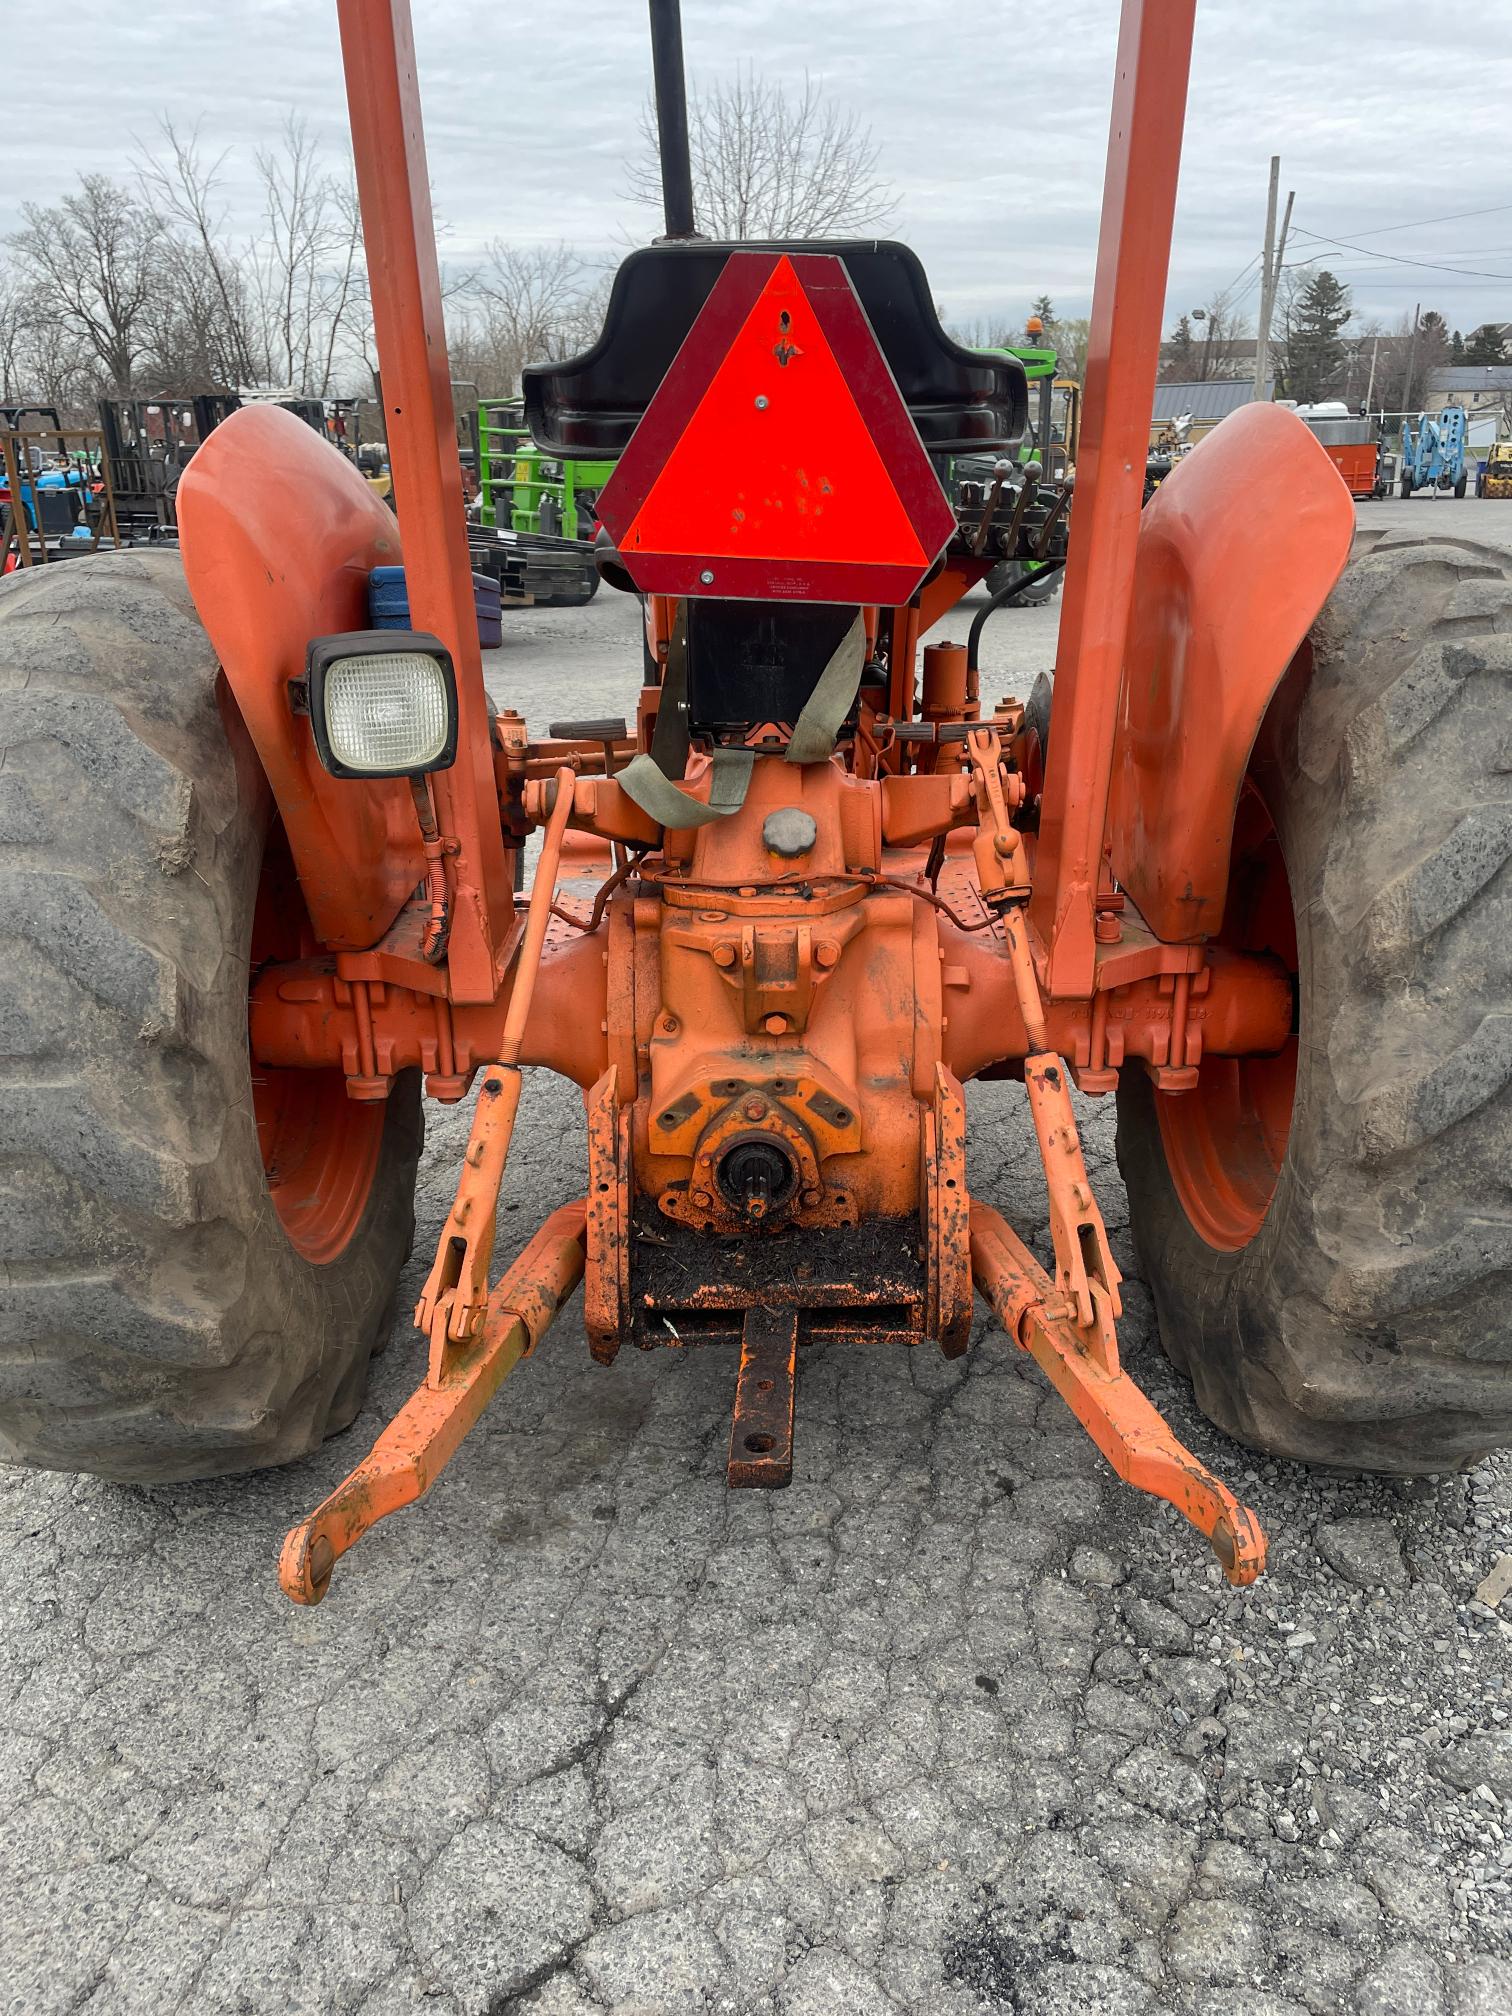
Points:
x=1242, y=868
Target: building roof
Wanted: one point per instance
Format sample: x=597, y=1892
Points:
x=1471, y=378
x=1205, y=399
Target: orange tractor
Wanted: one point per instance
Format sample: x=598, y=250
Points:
x=1242, y=869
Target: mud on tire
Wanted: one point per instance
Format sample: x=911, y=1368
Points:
x=1366, y=1323
x=155, y=1320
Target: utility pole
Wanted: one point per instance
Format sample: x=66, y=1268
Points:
x=1411, y=358
x=1270, y=273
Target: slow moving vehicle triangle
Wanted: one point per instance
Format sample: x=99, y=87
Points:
x=777, y=458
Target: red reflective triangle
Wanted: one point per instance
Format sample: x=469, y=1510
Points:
x=778, y=458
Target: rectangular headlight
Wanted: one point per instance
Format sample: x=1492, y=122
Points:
x=383, y=703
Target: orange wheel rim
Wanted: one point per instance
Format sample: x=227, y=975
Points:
x=320, y=1149
x=1225, y=1140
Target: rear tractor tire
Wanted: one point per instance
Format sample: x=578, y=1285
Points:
x=1327, y=1234
x=198, y=1262
x=1008, y=571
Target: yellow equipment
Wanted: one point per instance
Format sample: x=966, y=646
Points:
x=1495, y=480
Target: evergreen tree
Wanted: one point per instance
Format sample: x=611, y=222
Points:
x=1456, y=348
x=1487, y=345
x=1181, y=351
x=1314, y=354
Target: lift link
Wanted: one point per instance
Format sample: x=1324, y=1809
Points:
x=1118, y=1417
x=455, y=1296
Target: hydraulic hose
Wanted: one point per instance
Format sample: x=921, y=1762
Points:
x=1003, y=596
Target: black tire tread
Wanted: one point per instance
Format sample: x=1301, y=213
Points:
x=1366, y=1324
x=155, y=1322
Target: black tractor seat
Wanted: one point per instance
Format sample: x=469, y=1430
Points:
x=589, y=406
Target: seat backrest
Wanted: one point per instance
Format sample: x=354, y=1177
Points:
x=959, y=399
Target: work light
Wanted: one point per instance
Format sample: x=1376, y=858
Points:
x=382, y=703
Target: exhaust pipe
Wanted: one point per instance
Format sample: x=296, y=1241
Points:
x=672, y=117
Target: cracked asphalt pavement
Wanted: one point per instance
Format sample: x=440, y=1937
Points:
x=958, y=1723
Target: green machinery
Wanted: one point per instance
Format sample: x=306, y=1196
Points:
x=974, y=481
x=523, y=490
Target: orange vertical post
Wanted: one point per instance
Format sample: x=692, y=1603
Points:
x=1123, y=354
x=388, y=145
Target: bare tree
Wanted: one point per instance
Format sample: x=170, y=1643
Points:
x=770, y=164
x=527, y=304
x=305, y=268
x=985, y=332
x=1069, y=334
x=218, y=339
x=98, y=257
x=1222, y=346
x=15, y=331
x=43, y=362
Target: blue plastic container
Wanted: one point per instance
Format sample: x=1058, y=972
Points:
x=388, y=605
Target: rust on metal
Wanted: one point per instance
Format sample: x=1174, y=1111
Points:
x=761, y=1430
x=1084, y=1260
x=607, y=1251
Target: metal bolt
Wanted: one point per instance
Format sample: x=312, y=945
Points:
x=669, y=1025
x=702, y=1199
x=761, y=402
x=753, y=1109
x=724, y=955
x=776, y=1025
x=707, y=577
x=826, y=954
x=811, y=1198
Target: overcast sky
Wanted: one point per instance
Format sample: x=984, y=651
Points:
x=992, y=123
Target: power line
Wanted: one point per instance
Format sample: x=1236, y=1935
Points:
x=1254, y=261
x=1397, y=259
x=1451, y=217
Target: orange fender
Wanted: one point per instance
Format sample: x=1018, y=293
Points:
x=1237, y=553
x=278, y=532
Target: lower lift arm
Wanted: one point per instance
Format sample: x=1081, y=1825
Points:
x=1067, y=1324
x=476, y=1336
x=1102, y=1396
